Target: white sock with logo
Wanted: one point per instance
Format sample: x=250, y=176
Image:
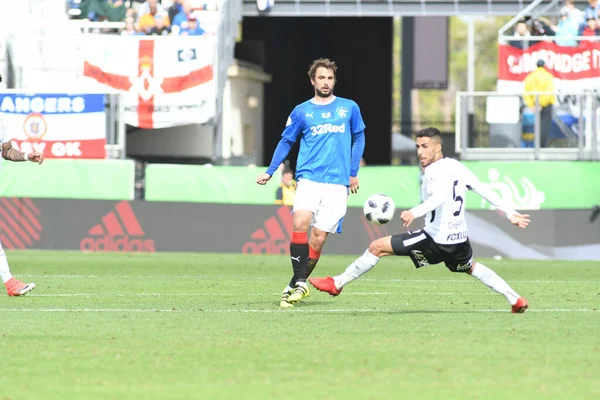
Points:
x=4, y=270
x=360, y=266
x=490, y=279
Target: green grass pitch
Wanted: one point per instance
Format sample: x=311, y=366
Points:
x=208, y=326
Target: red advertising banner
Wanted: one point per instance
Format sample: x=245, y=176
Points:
x=565, y=63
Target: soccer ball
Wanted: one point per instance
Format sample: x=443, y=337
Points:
x=379, y=209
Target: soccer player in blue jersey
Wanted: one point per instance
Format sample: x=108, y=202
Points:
x=332, y=141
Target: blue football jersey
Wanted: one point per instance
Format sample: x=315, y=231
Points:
x=325, y=133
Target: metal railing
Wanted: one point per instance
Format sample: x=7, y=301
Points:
x=87, y=26
x=362, y=8
x=499, y=126
x=230, y=14
x=116, y=131
x=533, y=9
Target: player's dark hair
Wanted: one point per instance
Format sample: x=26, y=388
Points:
x=322, y=62
x=430, y=133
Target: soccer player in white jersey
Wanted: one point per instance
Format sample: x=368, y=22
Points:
x=331, y=133
x=13, y=286
x=445, y=237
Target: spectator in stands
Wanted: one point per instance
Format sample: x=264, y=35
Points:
x=160, y=29
x=131, y=14
x=591, y=10
x=522, y=31
x=574, y=14
x=565, y=30
x=148, y=6
x=193, y=28
x=175, y=9
x=591, y=29
x=147, y=21
x=541, y=80
x=130, y=27
x=540, y=27
x=287, y=189
x=181, y=19
x=103, y=10
x=135, y=4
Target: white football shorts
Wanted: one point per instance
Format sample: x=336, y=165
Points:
x=328, y=203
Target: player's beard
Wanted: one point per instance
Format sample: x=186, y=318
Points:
x=323, y=94
x=426, y=161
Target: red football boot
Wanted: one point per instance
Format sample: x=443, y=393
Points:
x=520, y=306
x=325, y=285
x=18, y=288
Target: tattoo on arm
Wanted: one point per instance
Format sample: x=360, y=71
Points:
x=12, y=154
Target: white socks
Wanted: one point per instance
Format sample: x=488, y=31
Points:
x=493, y=281
x=360, y=266
x=4, y=270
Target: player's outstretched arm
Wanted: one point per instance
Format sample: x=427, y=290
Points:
x=293, y=129
x=516, y=218
x=9, y=153
x=358, y=148
x=520, y=220
x=281, y=152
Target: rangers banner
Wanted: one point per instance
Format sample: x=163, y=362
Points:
x=58, y=125
x=576, y=69
x=168, y=81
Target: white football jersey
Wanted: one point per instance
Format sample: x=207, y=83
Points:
x=443, y=190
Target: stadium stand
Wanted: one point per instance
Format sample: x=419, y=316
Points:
x=151, y=17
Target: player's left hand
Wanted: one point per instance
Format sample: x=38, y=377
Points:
x=262, y=179
x=354, y=184
x=520, y=220
x=407, y=218
x=36, y=156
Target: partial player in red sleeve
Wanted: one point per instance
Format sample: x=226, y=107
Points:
x=14, y=287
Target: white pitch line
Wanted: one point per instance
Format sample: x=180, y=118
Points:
x=203, y=277
x=330, y=311
x=246, y=294
x=103, y=310
x=504, y=310
x=467, y=280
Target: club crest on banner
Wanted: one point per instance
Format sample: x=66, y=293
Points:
x=35, y=126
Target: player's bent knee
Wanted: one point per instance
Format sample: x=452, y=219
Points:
x=302, y=220
x=381, y=247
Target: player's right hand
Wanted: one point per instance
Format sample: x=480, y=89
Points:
x=407, y=218
x=263, y=179
x=37, y=157
x=520, y=220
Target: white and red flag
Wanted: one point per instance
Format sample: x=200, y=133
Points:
x=168, y=81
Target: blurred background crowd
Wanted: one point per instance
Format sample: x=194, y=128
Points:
x=143, y=17
x=572, y=21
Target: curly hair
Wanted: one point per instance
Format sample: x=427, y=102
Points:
x=322, y=62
